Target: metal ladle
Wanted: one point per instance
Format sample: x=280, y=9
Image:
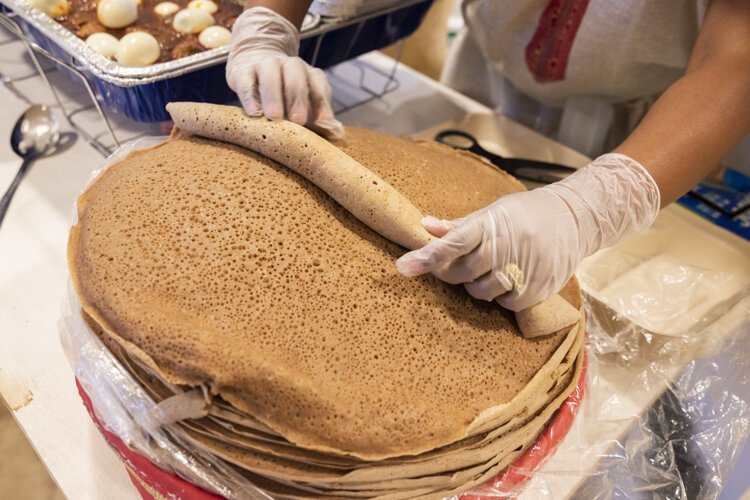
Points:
x=36, y=133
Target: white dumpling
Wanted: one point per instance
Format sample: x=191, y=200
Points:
x=206, y=5
x=192, y=20
x=165, y=9
x=215, y=36
x=117, y=13
x=138, y=49
x=103, y=43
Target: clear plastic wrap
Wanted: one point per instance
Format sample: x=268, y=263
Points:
x=664, y=416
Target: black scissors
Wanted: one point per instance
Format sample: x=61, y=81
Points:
x=530, y=170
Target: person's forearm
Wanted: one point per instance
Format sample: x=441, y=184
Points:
x=293, y=10
x=702, y=116
x=692, y=126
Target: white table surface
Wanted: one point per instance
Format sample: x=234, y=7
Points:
x=35, y=378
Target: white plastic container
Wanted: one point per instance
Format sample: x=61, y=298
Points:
x=675, y=278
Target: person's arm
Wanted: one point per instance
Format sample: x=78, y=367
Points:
x=706, y=113
x=292, y=10
x=265, y=72
x=526, y=246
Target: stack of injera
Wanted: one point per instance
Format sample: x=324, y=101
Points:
x=326, y=374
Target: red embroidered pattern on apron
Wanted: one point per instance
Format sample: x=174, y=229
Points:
x=548, y=51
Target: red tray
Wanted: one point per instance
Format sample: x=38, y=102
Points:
x=154, y=483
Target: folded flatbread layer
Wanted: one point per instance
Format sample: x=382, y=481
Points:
x=220, y=267
x=159, y=390
x=383, y=475
x=298, y=490
x=456, y=480
x=233, y=420
x=379, y=477
x=359, y=189
x=458, y=455
x=523, y=403
x=449, y=458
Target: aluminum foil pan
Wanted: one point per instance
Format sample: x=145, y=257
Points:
x=107, y=69
x=141, y=94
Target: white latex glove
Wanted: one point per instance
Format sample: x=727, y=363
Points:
x=265, y=72
x=526, y=246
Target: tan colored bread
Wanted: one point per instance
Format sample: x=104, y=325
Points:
x=356, y=188
x=220, y=267
x=547, y=317
x=393, y=478
x=281, y=490
x=458, y=457
x=251, y=438
x=367, y=196
x=147, y=313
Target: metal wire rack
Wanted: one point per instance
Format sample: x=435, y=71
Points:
x=32, y=73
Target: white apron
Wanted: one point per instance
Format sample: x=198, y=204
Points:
x=583, y=72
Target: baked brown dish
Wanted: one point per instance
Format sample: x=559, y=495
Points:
x=178, y=28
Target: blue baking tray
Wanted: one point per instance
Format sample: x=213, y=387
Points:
x=327, y=45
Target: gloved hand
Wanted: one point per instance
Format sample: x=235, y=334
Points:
x=526, y=246
x=270, y=80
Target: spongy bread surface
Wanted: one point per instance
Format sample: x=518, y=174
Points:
x=357, y=188
x=474, y=450
x=226, y=268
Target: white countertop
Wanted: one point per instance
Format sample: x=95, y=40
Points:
x=35, y=378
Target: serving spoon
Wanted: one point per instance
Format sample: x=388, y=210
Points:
x=36, y=133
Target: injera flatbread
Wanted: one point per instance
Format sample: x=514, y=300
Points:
x=445, y=460
x=473, y=455
x=222, y=411
x=380, y=488
x=524, y=401
x=373, y=477
x=432, y=461
x=286, y=450
x=357, y=188
x=224, y=268
x=456, y=479
x=159, y=390
x=380, y=475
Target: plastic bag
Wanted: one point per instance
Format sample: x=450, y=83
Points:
x=662, y=416
x=658, y=421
